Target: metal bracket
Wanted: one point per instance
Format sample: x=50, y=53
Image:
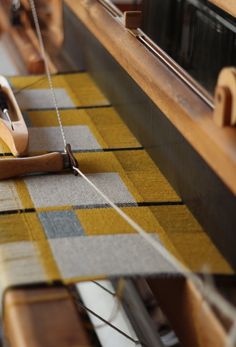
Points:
x=72, y=161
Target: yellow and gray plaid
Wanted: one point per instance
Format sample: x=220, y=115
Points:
x=54, y=227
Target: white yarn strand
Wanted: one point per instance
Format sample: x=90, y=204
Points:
x=148, y=238
x=232, y=336
x=43, y=53
x=207, y=291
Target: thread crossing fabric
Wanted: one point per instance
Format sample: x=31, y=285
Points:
x=56, y=227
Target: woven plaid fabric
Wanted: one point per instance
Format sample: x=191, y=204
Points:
x=55, y=227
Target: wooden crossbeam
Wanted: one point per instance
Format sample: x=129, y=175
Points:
x=42, y=317
x=192, y=318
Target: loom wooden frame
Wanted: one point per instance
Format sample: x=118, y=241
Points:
x=181, y=106
x=189, y=174
x=175, y=100
x=199, y=326
x=182, y=111
x=42, y=317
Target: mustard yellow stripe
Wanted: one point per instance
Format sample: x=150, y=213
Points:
x=112, y=129
x=146, y=177
x=20, y=227
x=106, y=220
x=23, y=193
x=83, y=90
x=48, y=261
x=80, y=87
x=189, y=239
x=28, y=82
x=44, y=118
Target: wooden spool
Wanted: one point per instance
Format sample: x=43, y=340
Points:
x=225, y=98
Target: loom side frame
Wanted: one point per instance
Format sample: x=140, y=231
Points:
x=191, y=176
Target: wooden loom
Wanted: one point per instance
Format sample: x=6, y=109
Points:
x=210, y=141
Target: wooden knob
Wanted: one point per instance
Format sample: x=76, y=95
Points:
x=225, y=98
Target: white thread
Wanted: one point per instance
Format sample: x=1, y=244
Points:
x=43, y=52
x=207, y=291
x=232, y=336
x=172, y=260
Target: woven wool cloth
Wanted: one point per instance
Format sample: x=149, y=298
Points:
x=56, y=227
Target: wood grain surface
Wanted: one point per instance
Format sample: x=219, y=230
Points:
x=195, y=323
x=42, y=317
x=14, y=167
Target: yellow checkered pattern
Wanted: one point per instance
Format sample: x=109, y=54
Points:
x=157, y=208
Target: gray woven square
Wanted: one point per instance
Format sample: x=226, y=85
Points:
x=50, y=139
x=35, y=99
x=112, y=255
x=68, y=190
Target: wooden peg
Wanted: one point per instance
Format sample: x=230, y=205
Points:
x=13, y=130
x=30, y=55
x=225, y=98
x=51, y=162
x=132, y=19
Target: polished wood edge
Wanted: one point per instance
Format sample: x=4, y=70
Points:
x=226, y=5
x=192, y=318
x=190, y=115
x=15, y=167
x=42, y=317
